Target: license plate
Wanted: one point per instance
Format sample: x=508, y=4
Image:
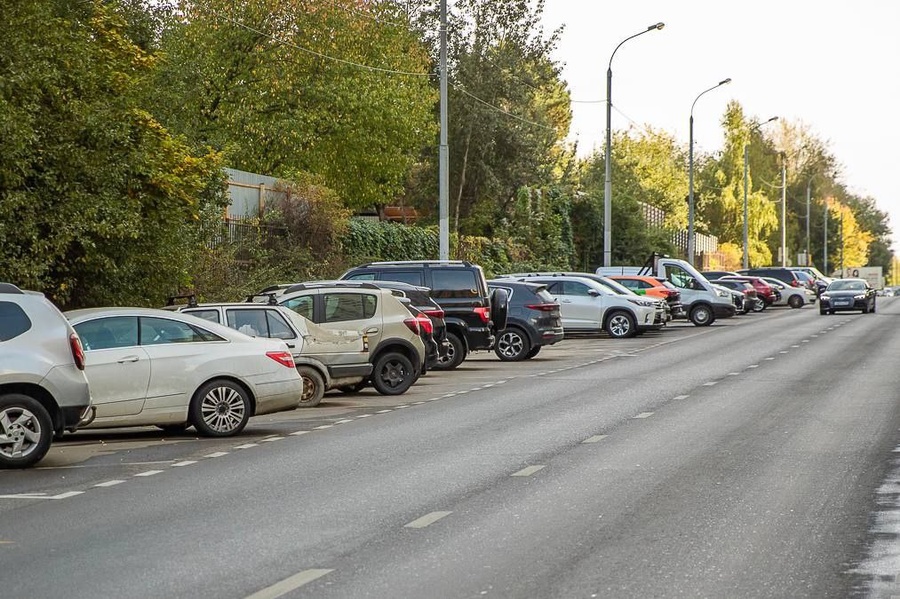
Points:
x=842, y=303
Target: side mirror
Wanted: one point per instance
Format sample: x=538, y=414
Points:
x=697, y=285
x=593, y=293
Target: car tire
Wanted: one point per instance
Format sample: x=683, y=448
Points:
x=393, y=374
x=759, y=306
x=174, y=429
x=873, y=308
x=702, y=315
x=220, y=408
x=620, y=325
x=512, y=345
x=456, y=353
x=28, y=432
x=795, y=301
x=313, y=386
x=823, y=312
x=534, y=351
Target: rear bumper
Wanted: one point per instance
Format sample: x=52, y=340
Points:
x=278, y=396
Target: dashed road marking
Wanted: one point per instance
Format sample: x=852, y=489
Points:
x=527, y=471
x=219, y=454
x=644, y=415
x=383, y=411
x=290, y=584
x=710, y=383
x=247, y=445
x=401, y=407
x=344, y=421
x=270, y=439
x=148, y=473
x=770, y=358
x=363, y=415
x=733, y=373
x=681, y=397
x=784, y=351
x=109, y=483
x=427, y=520
x=298, y=433
x=184, y=463
x=323, y=427
x=594, y=439
x=753, y=366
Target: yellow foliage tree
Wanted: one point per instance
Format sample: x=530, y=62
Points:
x=854, y=240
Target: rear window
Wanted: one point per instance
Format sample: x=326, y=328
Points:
x=413, y=277
x=205, y=314
x=13, y=321
x=448, y=283
x=545, y=296
x=349, y=306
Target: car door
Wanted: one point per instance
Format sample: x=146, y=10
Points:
x=354, y=310
x=578, y=308
x=176, y=349
x=117, y=368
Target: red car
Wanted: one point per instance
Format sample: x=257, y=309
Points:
x=768, y=294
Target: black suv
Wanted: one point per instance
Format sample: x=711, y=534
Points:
x=533, y=321
x=472, y=312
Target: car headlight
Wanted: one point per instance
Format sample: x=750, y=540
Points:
x=860, y=296
x=825, y=297
x=721, y=293
x=642, y=303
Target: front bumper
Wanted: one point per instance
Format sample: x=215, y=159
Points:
x=723, y=310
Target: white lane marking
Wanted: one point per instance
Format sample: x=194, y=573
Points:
x=148, y=473
x=417, y=403
x=644, y=415
x=290, y=584
x=184, y=463
x=364, y=415
x=733, y=373
x=434, y=399
x=805, y=340
x=753, y=366
x=770, y=358
x=814, y=336
x=383, y=411
x=323, y=427
x=65, y=495
x=500, y=382
x=527, y=471
x=784, y=351
x=594, y=439
x=216, y=454
x=488, y=385
x=344, y=421
x=401, y=407
x=297, y=433
x=110, y=483
x=710, y=383
x=270, y=439
x=794, y=346
x=427, y=520
x=246, y=446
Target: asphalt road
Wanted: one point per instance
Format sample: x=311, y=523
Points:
x=754, y=458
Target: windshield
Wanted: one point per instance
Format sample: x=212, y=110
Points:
x=847, y=285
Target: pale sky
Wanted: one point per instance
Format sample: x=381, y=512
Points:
x=831, y=65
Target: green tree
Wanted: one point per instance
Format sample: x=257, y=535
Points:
x=98, y=202
x=330, y=88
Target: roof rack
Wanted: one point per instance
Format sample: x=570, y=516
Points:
x=320, y=284
x=418, y=262
x=270, y=298
x=191, y=300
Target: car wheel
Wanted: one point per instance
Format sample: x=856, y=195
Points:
x=865, y=309
x=512, y=345
x=534, y=351
x=220, y=408
x=393, y=374
x=25, y=431
x=353, y=389
x=455, y=355
x=759, y=306
x=174, y=429
x=873, y=308
x=702, y=315
x=313, y=386
x=823, y=312
x=795, y=301
x=620, y=325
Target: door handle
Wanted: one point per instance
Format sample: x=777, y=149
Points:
x=128, y=359
x=291, y=345
x=371, y=330
x=565, y=301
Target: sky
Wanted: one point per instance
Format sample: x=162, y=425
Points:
x=832, y=66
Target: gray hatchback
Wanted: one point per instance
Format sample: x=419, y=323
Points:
x=43, y=389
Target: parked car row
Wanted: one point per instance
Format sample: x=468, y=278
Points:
x=213, y=366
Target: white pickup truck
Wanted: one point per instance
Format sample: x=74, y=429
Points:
x=702, y=303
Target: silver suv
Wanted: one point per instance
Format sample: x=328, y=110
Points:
x=326, y=359
x=43, y=389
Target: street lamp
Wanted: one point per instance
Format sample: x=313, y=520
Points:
x=691, y=173
x=607, y=190
x=746, y=162
x=783, y=210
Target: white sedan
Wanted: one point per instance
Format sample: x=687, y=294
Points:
x=155, y=367
x=795, y=297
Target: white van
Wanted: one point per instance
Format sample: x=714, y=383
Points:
x=702, y=302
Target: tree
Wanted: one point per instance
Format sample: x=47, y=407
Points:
x=95, y=195
x=334, y=89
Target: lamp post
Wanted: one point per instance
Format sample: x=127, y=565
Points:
x=691, y=172
x=607, y=188
x=746, y=217
x=783, y=210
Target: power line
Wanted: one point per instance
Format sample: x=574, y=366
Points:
x=319, y=54
x=500, y=110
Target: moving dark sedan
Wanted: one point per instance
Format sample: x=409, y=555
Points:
x=847, y=294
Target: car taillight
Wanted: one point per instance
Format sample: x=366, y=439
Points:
x=543, y=307
x=484, y=314
x=282, y=357
x=795, y=283
x=77, y=351
x=412, y=324
x=426, y=324
x=435, y=313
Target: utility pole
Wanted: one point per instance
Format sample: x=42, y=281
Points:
x=825, y=243
x=444, y=152
x=783, y=209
